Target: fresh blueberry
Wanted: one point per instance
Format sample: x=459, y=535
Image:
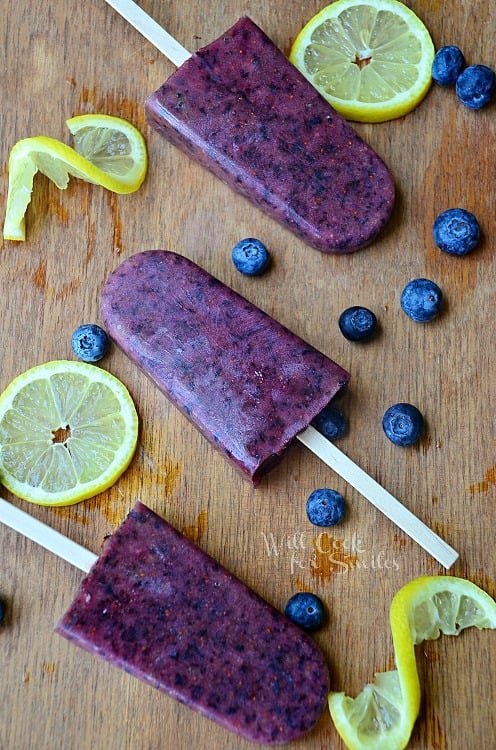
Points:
x=447, y=65
x=421, y=300
x=305, y=610
x=2, y=611
x=475, y=86
x=90, y=342
x=403, y=424
x=250, y=256
x=357, y=323
x=325, y=507
x=456, y=231
x=331, y=422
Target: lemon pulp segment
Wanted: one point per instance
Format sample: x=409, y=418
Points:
x=112, y=145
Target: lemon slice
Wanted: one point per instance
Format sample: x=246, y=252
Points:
x=68, y=430
x=383, y=714
x=371, y=59
x=108, y=151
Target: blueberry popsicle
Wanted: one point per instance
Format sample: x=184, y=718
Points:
x=246, y=382
x=160, y=608
x=243, y=111
x=163, y=610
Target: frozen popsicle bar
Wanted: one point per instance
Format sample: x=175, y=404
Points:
x=246, y=382
x=243, y=111
x=160, y=608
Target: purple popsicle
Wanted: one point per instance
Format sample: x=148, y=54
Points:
x=243, y=111
x=160, y=608
x=244, y=380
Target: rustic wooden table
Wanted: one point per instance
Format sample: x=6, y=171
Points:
x=68, y=58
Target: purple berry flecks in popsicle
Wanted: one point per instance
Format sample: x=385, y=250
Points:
x=160, y=608
x=243, y=111
x=244, y=380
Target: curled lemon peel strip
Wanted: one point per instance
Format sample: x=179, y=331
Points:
x=384, y=713
x=120, y=173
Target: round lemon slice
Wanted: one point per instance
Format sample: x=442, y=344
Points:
x=108, y=151
x=68, y=430
x=371, y=59
x=383, y=714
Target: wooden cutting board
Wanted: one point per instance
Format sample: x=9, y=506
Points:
x=67, y=58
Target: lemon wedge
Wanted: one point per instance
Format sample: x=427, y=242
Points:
x=108, y=151
x=68, y=430
x=383, y=714
x=371, y=59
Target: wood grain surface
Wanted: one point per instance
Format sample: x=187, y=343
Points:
x=67, y=58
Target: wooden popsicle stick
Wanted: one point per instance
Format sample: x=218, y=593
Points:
x=151, y=30
x=45, y=536
x=378, y=496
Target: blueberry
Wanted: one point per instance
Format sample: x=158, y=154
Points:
x=90, y=342
x=421, y=300
x=447, y=65
x=357, y=323
x=325, y=507
x=250, y=256
x=2, y=611
x=331, y=422
x=475, y=86
x=305, y=610
x=403, y=424
x=456, y=231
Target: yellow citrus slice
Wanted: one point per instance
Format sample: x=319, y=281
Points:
x=371, y=59
x=68, y=430
x=108, y=151
x=383, y=714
